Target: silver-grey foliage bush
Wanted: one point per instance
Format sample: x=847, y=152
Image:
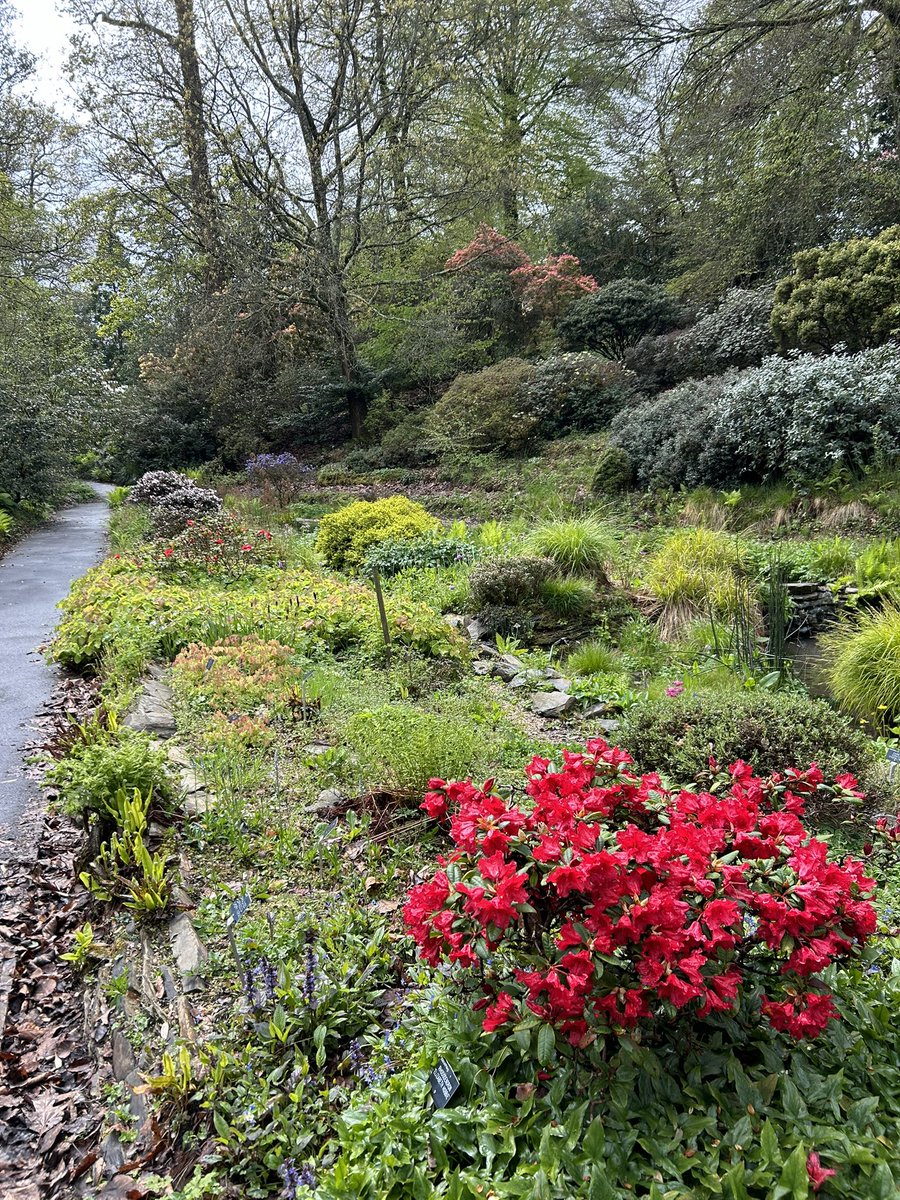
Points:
x=795, y=417
x=192, y=503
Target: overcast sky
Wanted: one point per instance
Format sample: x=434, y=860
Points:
x=45, y=30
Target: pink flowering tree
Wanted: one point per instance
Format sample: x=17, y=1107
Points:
x=601, y=900
x=548, y=288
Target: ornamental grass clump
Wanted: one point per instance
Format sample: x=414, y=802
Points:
x=583, y=546
x=602, y=901
x=864, y=665
x=694, y=574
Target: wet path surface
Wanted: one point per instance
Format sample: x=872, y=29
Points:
x=34, y=577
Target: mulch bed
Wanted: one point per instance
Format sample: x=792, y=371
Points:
x=50, y=1085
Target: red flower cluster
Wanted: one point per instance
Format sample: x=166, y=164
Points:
x=602, y=899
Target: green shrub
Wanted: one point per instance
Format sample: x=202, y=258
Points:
x=485, y=411
x=106, y=758
x=617, y=316
x=399, y=747
x=771, y=731
x=613, y=473
x=577, y=391
x=345, y=536
x=567, y=599
x=584, y=545
x=432, y=550
x=864, y=665
x=667, y=1119
x=667, y=439
x=508, y=581
x=847, y=292
x=406, y=443
x=334, y=475
x=593, y=658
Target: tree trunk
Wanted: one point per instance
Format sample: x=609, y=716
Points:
x=205, y=208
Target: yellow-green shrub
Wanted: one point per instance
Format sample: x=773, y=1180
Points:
x=346, y=535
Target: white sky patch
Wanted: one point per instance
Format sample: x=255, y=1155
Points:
x=45, y=30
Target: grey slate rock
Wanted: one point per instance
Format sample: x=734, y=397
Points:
x=551, y=704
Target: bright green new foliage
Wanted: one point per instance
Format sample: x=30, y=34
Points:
x=582, y=546
x=345, y=536
x=864, y=668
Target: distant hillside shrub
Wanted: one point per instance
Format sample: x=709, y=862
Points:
x=669, y=438
x=613, y=473
x=406, y=444
x=847, y=292
x=735, y=333
x=485, y=411
x=617, y=316
x=345, y=536
x=798, y=417
x=580, y=391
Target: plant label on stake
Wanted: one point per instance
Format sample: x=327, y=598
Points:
x=444, y=1084
x=893, y=757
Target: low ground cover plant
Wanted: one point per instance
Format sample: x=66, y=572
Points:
x=123, y=610
x=238, y=673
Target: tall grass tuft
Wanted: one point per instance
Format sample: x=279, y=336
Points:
x=567, y=599
x=583, y=546
x=696, y=573
x=593, y=658
x=863, y=666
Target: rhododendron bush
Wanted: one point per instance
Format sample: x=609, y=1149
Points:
x=600, y=900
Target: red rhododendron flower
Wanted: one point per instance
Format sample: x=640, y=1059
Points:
x=499, y=1012
x=816, y=1172
x=604, y=900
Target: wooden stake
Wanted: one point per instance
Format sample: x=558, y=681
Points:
x=382, y=612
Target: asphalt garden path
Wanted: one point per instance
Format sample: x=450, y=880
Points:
x=34, y=577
